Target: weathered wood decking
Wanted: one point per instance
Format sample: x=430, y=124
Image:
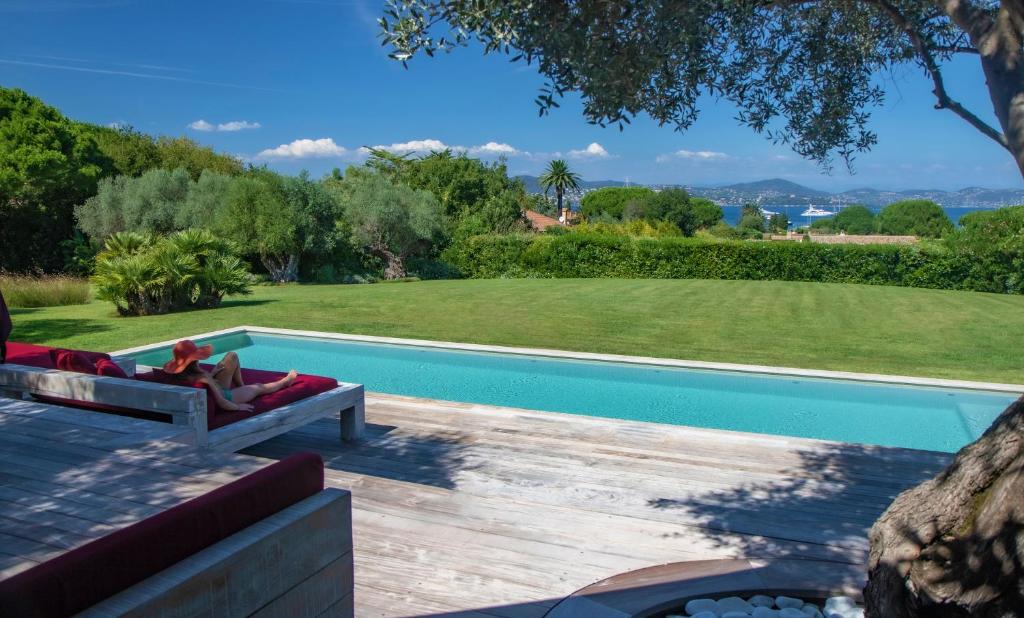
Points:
x=473, y=510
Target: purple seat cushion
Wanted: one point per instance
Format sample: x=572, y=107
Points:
x=86, y=575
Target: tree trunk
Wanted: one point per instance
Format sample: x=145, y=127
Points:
x=558, y=194
x=954, y=545
x=1002, y=60
x=282, y=269
x=999, y=38
x=394, y=263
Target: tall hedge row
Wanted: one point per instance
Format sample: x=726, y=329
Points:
x=594, y=256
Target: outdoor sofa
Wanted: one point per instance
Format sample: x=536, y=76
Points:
x=272, y=543
x=94, y=381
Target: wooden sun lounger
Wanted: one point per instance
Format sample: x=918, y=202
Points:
x=187, y=406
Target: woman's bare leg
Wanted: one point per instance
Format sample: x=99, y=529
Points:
x=245, y=394
x=228, y=372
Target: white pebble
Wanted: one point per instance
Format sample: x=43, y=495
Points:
x=811, y=610
x=851, y=612
x=787, y=602
x=697, y=606
x=765, y=612
x=735, y=614
x=735, y=604
x=761, y=600
x=839, y=605
x=791, y=612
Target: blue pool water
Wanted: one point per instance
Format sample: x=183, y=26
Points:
x=912, y=417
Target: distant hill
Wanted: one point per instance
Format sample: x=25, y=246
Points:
x=781, y=191
x=533, y=186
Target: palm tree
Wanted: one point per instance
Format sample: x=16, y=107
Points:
x=559, y=177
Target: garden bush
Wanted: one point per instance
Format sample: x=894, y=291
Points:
x=922, y=218
x=43, y=290
x=588, y=255
x=148, y=275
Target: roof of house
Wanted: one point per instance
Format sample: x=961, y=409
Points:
x=540, y=222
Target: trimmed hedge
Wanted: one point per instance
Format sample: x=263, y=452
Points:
x=576, y=255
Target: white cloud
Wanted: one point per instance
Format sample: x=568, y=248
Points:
x=693, y=155
x=593, y=151
x=234, y=125
x=416, y=145
x=238, y=125
x=495, y=148
x=304, y=149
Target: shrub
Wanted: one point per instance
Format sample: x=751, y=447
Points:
x=43, y=290
x=612, y=200
x=922, y=218
x=147, y=275
x=854, y=219
x=588, y=255
x=993, y=241
x=707, y=212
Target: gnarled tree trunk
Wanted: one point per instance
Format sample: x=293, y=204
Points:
x=282, y=269
x=954, y=545
x=394, y=263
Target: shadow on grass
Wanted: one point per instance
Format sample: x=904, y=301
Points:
x=434, y=460
x=820, y=503
x=43, y=330
x=245, y=302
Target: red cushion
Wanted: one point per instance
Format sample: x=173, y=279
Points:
x=70, y=360
x=304, y=386
x=39, y=356
x=84, y=576
x=110, y=369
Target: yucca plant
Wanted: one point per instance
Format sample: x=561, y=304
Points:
x=145, y=275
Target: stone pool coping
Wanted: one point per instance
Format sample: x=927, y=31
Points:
x=613, y=358
x=651, y=591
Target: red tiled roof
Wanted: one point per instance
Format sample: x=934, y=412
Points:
x=540, y=222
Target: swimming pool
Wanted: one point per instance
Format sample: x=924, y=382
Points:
x=939, y=419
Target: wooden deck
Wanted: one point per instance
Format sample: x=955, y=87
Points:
x=463, y=510
x=479, y=511
x=69, y=476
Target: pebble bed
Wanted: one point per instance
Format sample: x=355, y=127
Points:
x=764, y=606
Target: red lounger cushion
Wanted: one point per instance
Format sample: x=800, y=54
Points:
x=303, y=387
x=39, y=356
x=84, y=576
x=110, y=369
x=69, y=360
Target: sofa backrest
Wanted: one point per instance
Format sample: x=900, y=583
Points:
x=84, y=576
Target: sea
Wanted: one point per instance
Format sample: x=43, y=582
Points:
x=732, y=212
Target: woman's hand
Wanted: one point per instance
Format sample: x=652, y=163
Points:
x=243, y=407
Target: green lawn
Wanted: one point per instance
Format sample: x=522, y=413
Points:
x=826, y=326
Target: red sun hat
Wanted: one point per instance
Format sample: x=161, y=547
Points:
x=186, y=351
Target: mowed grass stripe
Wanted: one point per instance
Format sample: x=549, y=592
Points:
x=876, y=329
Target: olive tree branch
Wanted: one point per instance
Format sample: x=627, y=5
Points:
x=927, y=57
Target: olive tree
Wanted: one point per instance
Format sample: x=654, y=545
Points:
x=388, y=220
x=804, y=73
x=799, y=71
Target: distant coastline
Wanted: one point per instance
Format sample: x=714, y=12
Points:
x=778, y=192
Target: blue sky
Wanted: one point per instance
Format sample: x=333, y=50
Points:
x=303, y=84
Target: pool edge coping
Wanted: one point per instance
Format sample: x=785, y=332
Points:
x=592, y=356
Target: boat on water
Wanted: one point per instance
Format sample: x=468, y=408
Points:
x=814, y=211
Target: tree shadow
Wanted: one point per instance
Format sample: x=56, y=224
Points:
x=434, y=460
x=820, y=502
x=38, y=331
